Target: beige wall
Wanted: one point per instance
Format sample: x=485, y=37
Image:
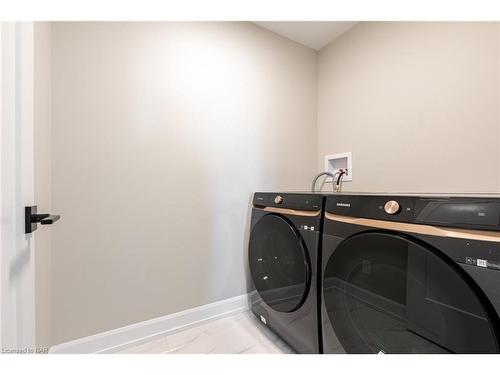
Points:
x=416, y=103
x=160, y=134
x=42, y=179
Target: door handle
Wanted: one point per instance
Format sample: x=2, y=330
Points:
x=44, y=219
x=32, y=218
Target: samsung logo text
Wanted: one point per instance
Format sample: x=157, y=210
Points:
x=343, y=204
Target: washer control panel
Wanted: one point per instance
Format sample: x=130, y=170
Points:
x=295, y=201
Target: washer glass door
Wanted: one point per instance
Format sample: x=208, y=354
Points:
x=388, y=293
x=279, y=263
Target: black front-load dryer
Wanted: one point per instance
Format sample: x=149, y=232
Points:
x=411, y=274
x=283, y=258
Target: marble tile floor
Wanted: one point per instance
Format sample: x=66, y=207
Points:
x=241, y=333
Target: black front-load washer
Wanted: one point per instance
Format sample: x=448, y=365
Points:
x=283, y=256
x=411, y=274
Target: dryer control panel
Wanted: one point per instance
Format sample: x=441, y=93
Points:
x=457, y=212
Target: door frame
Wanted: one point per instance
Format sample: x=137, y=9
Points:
x=17, y=300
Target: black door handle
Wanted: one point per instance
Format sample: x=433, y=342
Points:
x=44, y=219
x=32, y=218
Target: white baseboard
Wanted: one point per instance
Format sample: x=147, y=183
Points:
x=134, y=334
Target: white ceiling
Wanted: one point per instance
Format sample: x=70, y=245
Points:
x=315, y=35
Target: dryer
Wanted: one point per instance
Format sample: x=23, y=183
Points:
x=283, y=257
x=411, y=274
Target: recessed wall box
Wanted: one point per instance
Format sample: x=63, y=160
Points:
x=335, y=162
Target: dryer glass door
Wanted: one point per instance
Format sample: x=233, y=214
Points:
x=388, y=293
x=279, y=263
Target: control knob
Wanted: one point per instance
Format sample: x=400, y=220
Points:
x=278, y=199
x=392, y=207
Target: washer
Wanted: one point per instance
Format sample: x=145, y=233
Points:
x=283, y=257
x=411, y=274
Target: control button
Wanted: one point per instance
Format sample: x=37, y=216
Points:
x=278, y=199
x=392, y=207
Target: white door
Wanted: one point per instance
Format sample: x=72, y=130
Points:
x=17, y=312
